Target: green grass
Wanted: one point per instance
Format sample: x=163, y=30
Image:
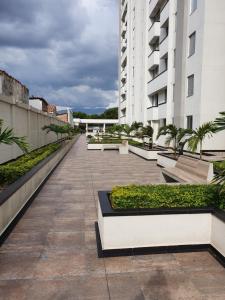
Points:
x=167, y=196
x=13, y=170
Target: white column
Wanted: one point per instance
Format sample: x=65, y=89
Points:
x=104, y=127
x=86, y=127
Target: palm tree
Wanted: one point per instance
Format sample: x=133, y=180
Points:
x=148, y=131
x=220, y=122
x=136, y=125
x=199, y=134
x=183, y=137
x=7, y=137
x=127, y=129
x=175, y=135
x=172, y=133
x=57, y=129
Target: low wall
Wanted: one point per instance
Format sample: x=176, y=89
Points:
x=15, y=197
x=25, y=121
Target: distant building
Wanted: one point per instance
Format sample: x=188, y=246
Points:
x=52, y=109
x=66, y=116
x=11, y=87
x=39, y=103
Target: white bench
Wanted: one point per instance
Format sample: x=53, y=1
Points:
x=190, y=170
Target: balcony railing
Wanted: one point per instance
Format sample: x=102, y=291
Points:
x=123, y=29
x=153, y=60
x=158, y=83
x=154, y=33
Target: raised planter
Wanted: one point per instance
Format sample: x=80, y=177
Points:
x=145, y=231
x=102, y=146
x=151, y=154
x=15, y=198
x=166, y=160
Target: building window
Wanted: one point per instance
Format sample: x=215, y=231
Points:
x=154, y=100
x=193, y=5
x=189, y=122
x=162, y=123
x=190, y=85
x=192, y=42
x=165, y=95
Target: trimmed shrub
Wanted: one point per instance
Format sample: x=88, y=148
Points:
x=219, y=166
x=167, y=196
x=13, y=170
x=135, y=143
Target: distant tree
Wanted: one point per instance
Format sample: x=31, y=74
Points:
x=7, y=137
x=111, y=113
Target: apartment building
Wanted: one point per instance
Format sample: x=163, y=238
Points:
x=172, y=63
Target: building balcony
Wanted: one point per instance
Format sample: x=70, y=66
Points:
x=154, y=33
x=158, y=83
x=124, y=45
x=124, y=59
x=124, y=75
x=164, y=46
x=154, y=7
x=123, y=91
x=153, y=60
x=123, y=29
x=165, y=13
x=124, y=11
x=123, y=104
x=153, y=113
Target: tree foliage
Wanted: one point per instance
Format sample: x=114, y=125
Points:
x=8, y=137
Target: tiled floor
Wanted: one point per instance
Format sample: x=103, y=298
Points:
x=51, y=253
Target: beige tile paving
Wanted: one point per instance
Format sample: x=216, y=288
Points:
x=51, y=253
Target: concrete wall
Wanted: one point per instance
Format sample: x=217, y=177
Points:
x=26, y=121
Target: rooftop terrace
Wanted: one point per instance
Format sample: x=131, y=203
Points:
x=51, y=253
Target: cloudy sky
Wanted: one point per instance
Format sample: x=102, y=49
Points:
x=63, y=50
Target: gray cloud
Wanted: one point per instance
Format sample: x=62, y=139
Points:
x=57, y=47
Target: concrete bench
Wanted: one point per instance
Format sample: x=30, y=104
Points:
x=190, y=170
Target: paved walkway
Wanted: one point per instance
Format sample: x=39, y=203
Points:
x=51, y=254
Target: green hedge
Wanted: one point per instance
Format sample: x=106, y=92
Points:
x=167, y=196
x=11, y=171
x=135, y=143
x=105, y=141
x=219, y=166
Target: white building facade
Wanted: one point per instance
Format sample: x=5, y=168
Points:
x=172, y=63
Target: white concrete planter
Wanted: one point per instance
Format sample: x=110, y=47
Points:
x=165, y=161
x=147, y=154
x=102, y=146
x=126, y=232
x=15, y=197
